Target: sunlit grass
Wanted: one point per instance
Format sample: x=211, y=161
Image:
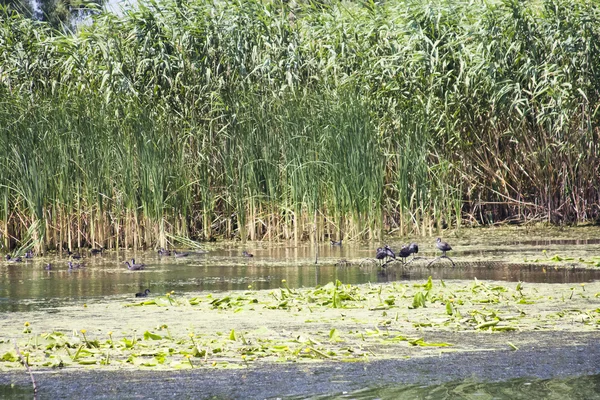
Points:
x=269, y=120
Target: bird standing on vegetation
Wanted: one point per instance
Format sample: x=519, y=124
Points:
x=11, y=259
x=383, y=253
x=163, y=252
x=143, y=294
x=443, y=246
x=75, y=256
x=246, y=254
x=404, y=252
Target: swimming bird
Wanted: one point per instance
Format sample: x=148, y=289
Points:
x=143, y=294
x=163, y=252
x=334, y=243
x=246, y=254
x=75, y=266
x=13, y=259
x=137, y=266
x=48, y=267
x=131, y=268
x=176, y=254
x=443, y=246
x=97, y=251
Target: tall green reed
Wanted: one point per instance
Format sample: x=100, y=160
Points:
x=270, y=120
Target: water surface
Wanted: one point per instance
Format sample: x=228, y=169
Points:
x=27, y=285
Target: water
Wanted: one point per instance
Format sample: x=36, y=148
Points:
x=581, y=387
x=585, y=387
x=27, y=285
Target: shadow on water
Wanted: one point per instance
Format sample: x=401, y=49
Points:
x=573, y=388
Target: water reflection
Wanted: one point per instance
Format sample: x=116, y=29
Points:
x=27, y=285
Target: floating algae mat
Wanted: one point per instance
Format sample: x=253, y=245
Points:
x=336, y=322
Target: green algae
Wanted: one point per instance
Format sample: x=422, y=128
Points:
x=334, y=322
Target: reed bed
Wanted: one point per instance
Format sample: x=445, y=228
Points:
x=270, y=120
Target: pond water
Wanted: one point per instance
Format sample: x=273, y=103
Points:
x=581, y=387
x=559, y=388
x=27, y=285
x=506, y=255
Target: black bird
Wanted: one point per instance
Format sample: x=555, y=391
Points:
x=334, y=243
x=176, y=254
x=143, y=294
x=443, y=246
x=414, y=248
x=163, y=252
x=385, y=252
x=404, y=252
x=75, y=256
x=132, y=268
x=29, y=254
x=97, y=251
x=48, y=267
x=135, y=266
x=13, y=259
x=246, y=254
x=74, y=266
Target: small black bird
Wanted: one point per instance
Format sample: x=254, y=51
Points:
x=334, y=243
x=246, y=254
x=29, y=254
x=74, y=266
x=75, y=256
x=13, y=259
x=443, y=246
x=404, y=252
x=384, y=253
x=143, y=294
x=134, y=266
x=163, y=252
x=97, y=251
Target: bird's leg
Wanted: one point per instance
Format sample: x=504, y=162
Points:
x=432, y=261
x=445, y=256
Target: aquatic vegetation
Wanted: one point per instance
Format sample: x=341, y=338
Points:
x=560, y=258
x=269, y=119
x=334, y=322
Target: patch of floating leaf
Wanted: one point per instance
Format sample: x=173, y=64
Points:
x=335, y=322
